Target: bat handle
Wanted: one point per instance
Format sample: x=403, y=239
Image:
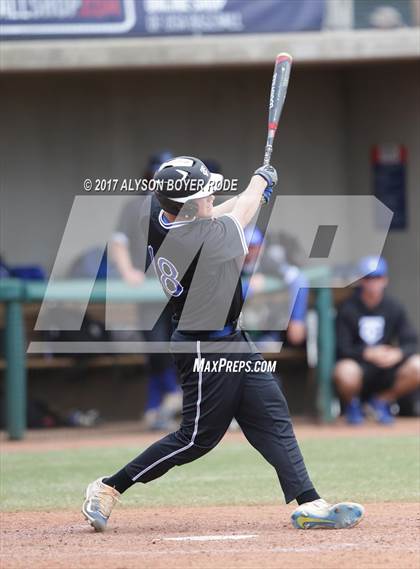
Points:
x=266, y=162
x=269, y=145
x=267, y=154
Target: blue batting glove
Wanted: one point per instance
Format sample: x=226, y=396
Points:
x=267, y=194
x=268, y=173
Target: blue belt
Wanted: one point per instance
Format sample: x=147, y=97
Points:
x=226, y=331
x=212, y=334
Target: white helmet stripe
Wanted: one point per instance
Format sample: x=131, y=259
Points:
x=177, y=162
x=212, y=186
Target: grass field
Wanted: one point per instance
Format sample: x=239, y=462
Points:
x=363, y=469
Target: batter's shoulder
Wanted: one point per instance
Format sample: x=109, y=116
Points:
x=209, y=226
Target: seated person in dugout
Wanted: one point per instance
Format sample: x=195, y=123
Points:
x=277, y=256
x=376, y=347
x=128, y=250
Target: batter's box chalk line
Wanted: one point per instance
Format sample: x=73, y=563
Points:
x=210, y=537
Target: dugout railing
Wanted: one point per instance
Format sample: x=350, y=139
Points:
x=14, y=293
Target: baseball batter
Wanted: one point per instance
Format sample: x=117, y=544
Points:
x=197, y=251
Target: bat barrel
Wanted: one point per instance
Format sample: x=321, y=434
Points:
x=284, y=57
x=277, y=96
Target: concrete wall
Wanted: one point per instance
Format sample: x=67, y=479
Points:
x=112, y=53
x=384, y=107
x=58, y=129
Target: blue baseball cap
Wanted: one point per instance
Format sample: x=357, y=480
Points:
x=373, y=266
x=253, y=236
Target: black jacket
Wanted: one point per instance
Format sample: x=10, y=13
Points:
x=359, y=326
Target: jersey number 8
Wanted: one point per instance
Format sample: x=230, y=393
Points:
x=168, y=274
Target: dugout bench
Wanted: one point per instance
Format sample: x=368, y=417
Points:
x=14, y=293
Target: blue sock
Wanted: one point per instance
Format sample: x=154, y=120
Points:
x=169, y=381
x=154, y=394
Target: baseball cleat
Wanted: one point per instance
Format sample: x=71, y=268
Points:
x=381, y=411
x=354, y=415
x=321, y=515
x=100, y=499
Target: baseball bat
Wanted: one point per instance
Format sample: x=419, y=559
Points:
x=278, y=92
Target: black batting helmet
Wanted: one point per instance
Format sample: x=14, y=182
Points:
x=183, y=179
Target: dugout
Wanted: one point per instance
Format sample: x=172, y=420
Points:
x=66, y=118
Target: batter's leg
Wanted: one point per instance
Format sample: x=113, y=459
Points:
x=209, y=403
x=264, y=417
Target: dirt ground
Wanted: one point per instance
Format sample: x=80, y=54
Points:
x=210, y=537
x=229, y=537
x=128, y=434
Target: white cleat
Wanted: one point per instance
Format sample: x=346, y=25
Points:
x=319, y=514
x=100, y=499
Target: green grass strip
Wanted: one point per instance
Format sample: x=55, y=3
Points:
x=361, y=469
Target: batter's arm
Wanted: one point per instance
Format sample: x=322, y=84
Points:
x=249, y=201
x=225, y=207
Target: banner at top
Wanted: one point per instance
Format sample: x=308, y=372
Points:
x=127, y=18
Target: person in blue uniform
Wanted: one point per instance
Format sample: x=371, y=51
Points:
x=272, y=259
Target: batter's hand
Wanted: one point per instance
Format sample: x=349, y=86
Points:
x=269, y=174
